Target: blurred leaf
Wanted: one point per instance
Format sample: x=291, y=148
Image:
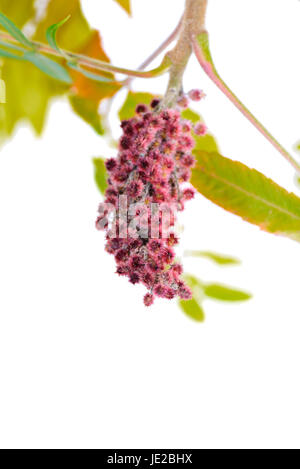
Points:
x=133, y=98
x=48, y=66
x=125, y=4
x=17, y=13
x=51, y=33
x=29, y=91
x=90, y=91
x=193, y=282
x=223, y=293
x=202, y=143
x=202, y=291
x=248, y=194
x=217, y=258
x=205, y=143
x=100, y=174
x=88, y=111
x=192, y=309
x=191, y=115
x=14, y=31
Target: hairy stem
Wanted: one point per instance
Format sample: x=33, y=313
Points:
x=202, y=52
x=92, y=63
x=193, y=22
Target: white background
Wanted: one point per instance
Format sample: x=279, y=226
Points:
x=82, y=363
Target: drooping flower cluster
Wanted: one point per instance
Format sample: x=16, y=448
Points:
x=146, y=188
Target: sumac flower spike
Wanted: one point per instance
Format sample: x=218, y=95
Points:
x=147, y=187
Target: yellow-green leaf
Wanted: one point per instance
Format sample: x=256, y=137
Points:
x=100, y=174
x=87, y=93
x=133, y=98
x=219, y=259
x=28, y=93
x=223, y=293
x=192, y=309
x=125, y=4
x=248, y=194
x=191, y=115
x=18, y=12
x=87, y=109
x=205, y=142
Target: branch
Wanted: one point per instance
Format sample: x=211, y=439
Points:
x=193, y=22
x=92, y=63
x=201, y=49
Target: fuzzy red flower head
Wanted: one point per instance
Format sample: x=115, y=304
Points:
x=147, y=186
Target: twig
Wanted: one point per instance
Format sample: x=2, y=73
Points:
x=92, y=63
x=193, y=21
x=157, y=52
x=202, y=52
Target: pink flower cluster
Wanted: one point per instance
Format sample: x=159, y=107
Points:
x=153, y=166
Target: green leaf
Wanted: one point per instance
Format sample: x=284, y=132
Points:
x=192, y=309
x=90, y=75
x=248, y=194
x=100, y=174
x=51, y=33
x=125, y=4
x=205, y=142
x=223, y=293
x=127, y=111
x=14, y=31
x=217, y=258
x=49, y=67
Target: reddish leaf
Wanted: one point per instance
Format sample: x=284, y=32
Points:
x=90, y=89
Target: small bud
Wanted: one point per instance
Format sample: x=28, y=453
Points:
x=200, y=129
x=177, y=269
x=196, y=95
x=148, y=299
x=185, y=292
x=155, y=102
x=125, y=143
x=141, y=109
x=188, y=194
x=134, y=278
x=183, y=102
x=135, y=188
x=110, y=164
